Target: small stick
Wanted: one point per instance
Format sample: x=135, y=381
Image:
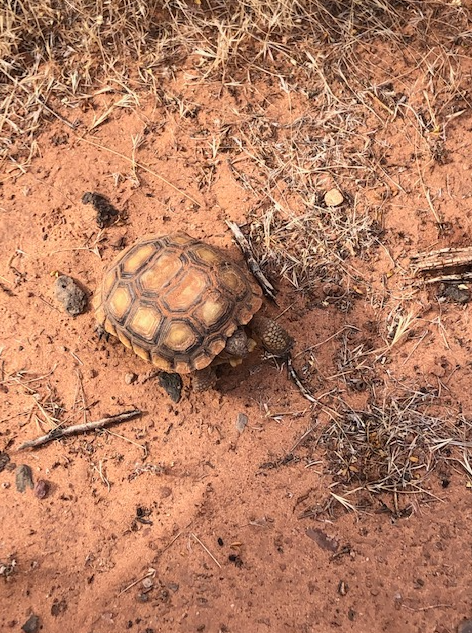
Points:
x=58, y=433
x=429, y=607
x=442, y=258
x=296, y=379
x=206, y=549
x=150, y=574
x=254, y=267
x=302, y=439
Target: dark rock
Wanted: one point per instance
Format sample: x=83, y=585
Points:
x=172, y=385
x=23, y=477
x=31, y=625
x=71, y=295
x=107, y=214
x=4, y=459
x=41, y=490
x=455, y=293
x=465, y=627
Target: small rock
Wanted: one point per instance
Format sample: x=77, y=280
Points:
x=165, y=492
x=342, y=588
x=31, y=625
x=148, y=583
x=41, y=490
x=142, y=597
x=4, y=459
x=23, y=477
x=130, y=378
x=71, y=295
x=465, y=627
x=241, y=422
x=322, y=539
x=456, y=293
x=333, y=198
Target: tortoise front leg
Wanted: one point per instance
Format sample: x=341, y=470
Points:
x=204, y=379
x=273, y=337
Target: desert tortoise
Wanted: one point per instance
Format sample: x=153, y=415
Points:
x=182, y=304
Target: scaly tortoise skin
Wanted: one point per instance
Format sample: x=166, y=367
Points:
x=180, y=303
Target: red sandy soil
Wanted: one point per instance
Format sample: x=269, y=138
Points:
x=223, y=546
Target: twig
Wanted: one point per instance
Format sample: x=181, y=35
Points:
x=206, y=549
x=150, y=574
x=58, y=433
x=296, y=379
x=140, y=166
x=254, y=267
x=41, y=101
x=428, y=608
x=302, y=438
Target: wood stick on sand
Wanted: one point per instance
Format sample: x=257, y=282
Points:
x=57, y=434
x=254, y=267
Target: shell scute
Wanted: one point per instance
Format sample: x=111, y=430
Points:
x=160, y=273
x=137, y=258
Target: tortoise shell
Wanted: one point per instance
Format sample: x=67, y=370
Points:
x=175, y=300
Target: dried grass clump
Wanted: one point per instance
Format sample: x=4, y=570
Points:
x=395, y=444
x=314, y=247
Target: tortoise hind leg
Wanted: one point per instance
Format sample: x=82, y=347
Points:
x=204, y=379
x=273, y=337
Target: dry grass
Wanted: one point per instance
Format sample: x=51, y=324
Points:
x=55, y=57
x=394, y=444
x=59, y=62
x=312, y=247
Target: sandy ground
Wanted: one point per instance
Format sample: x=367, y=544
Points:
x=176, y=521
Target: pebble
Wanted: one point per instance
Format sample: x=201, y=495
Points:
x=165, y=492
x=23, y=477
x=71, y=295
x=130, y=378
x=343, y=588
x=4, y=459
x=455, y=293
x=465, y=627
x=148, y=583
x=31, y=625
x=241, y=422
x=41, y=490
x=333, y=198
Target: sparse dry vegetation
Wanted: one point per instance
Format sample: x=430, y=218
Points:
x=57, y=58
x=56, y=61
x=396, y=442
x=323, y=491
